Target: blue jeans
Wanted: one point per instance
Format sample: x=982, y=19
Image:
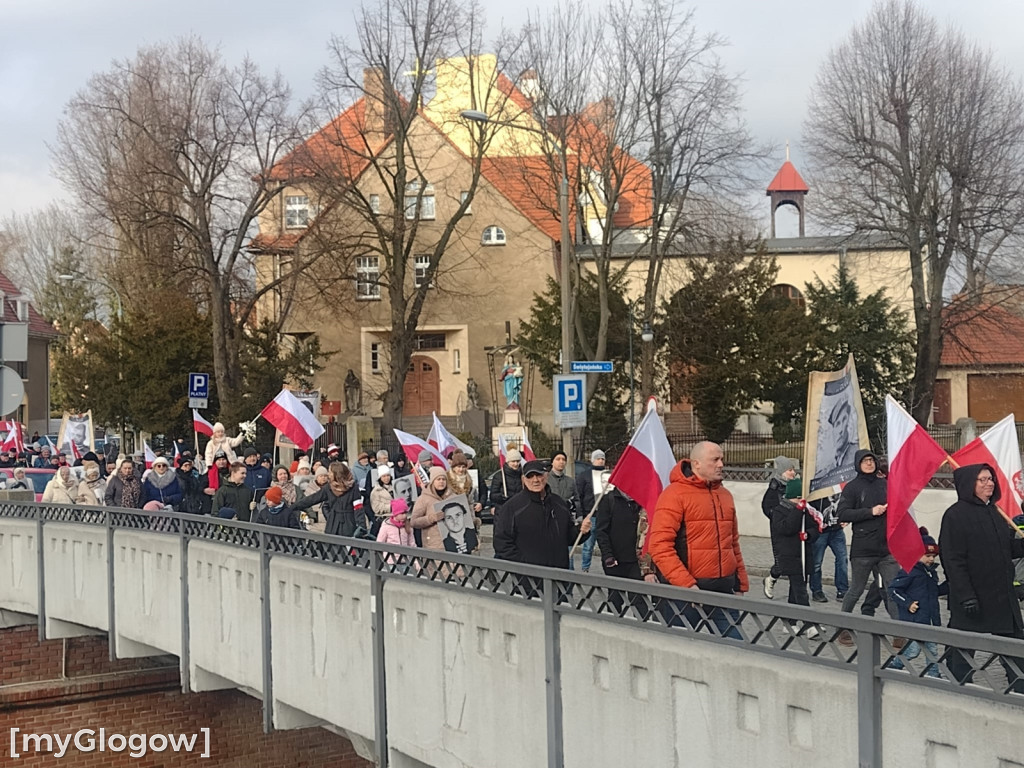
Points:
x=836, y=541
x=911, y=651
x=587, y=549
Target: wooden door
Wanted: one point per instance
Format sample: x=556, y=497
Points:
x=942, y=405
x=422, y=393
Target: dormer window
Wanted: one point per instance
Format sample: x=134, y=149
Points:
x=417, y=205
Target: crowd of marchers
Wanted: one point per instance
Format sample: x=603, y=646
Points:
x=541, y=514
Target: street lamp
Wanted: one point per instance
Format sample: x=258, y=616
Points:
x=646, y=336
x=563, y=213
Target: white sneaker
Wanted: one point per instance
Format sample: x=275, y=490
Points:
x=769, y=587
x=811, y=632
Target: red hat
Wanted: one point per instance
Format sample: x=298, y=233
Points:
x=332, y=448
x=273, y=496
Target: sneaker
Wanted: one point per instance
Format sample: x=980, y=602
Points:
x=840, y=596
x=845, y=638
x=769, y=587
x=819, y=597
x=811, y=632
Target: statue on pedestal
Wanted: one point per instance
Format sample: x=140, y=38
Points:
x=512, y=376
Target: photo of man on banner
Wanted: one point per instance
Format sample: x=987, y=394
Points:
x=835, y=430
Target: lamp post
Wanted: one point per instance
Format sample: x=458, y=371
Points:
x=67, y=278
x=646, y=336
x=563, y=213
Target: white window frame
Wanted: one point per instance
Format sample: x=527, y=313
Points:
x=456, y=361
x=423, y=207
x=493, y=235
x=375, y=204
x=296, y=211
x=421, y=266
x=462, y=198
x=368, y=278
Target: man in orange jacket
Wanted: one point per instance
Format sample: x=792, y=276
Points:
x=695, y=541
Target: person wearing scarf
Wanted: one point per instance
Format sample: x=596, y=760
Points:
x=162, y=485
x=283, y=480
x=62, y=489
x=338, y=496
x=93, y=487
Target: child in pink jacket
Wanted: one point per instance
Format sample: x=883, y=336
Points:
x=397, y=529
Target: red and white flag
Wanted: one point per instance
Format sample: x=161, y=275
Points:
x=149, y=456
x=412, y=446
x=643, y=469
x=527, y=449
x=201, y=425
x=15, y=440
x=998, y=448
x=502, y=450
x=73, y=449
x=293, y=419
x=446, y=442
x=913, y=458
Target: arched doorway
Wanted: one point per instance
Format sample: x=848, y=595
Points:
x=422, y=393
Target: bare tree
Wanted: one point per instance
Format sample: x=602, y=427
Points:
x=378, y=165
x=32, y=244
x=168, y=152
x=916, y=134
x=656, y=143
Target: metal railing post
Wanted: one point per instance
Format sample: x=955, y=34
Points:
x=185, y=659
x=553, y=677
x=869, y=702
x=111, y=606
x=268, y=667
x=380, y=691
x=40, y=576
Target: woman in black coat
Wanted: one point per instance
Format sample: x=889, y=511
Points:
x=339, y=496
x=978, y=546
x=787, y=524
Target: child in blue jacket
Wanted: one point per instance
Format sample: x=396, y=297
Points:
x=916, y=596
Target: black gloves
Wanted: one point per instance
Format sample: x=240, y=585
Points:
x=971, y=606
x=610, y=562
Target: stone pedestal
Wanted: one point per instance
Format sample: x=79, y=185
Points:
x=512, y=428
x=358, y=429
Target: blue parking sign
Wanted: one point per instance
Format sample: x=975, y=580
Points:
x=570, y=400
x=199, y=385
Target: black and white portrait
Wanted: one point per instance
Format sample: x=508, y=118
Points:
x=835, y=429
x=405, y=488
x=457, y=529
x=76, y=428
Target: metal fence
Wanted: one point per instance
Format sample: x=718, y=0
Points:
x=981, y=666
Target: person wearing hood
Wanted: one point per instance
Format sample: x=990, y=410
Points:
x=978, y=547
x=784, y=470
x=276, y=512
x=125, y=488
x=863, y=503
x=191, y=482
x=221, y=442
x=93, y=487
x=62, y=488
x=395, y=529
x=338, y=496
x=20, y=481
x=617, y=524
x=424, y=517
x=401, y=465
x=507, y=481
x=162, y=484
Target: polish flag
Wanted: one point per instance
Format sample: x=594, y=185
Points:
x=412, y=446
x=913, y=458
x=445, y=441
x=502, y=450
x=149, y=456
x=998, y=447
x=201, y=425
x=527, y=449
x=293, y=419
x=15, y=440
x=75, y=453
x=643, y=469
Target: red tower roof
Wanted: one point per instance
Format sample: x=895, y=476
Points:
x=787, y=180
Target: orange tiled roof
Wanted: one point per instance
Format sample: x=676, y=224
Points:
x=267, y=243
x=788, y=179
x=979, y=335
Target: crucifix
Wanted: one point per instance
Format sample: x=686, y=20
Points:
x=416, y=72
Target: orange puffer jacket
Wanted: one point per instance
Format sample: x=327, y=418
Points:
x=694, y=538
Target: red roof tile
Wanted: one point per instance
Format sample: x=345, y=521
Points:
x=268, y=243
x=37, y=325
x=976, y=335
x=787, y=179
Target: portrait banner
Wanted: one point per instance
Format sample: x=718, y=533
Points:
x=458, y=533
x=76, y=428
x=405, y=488
x=835, y=431
x=311, y=400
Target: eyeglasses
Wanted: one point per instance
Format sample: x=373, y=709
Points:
x=986, y=479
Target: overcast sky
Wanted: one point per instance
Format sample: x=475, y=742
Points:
x=48, y=49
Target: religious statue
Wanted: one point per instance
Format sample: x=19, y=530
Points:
x=472, y=394
x=512, y=376
x=353, y=392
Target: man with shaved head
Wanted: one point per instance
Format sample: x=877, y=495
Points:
x=694, y=539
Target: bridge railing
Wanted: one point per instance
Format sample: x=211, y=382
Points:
x=874, y=650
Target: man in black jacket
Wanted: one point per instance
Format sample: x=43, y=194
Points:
x=863, y=503
x=535, y=525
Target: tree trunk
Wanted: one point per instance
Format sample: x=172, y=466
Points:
x=226, y=367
